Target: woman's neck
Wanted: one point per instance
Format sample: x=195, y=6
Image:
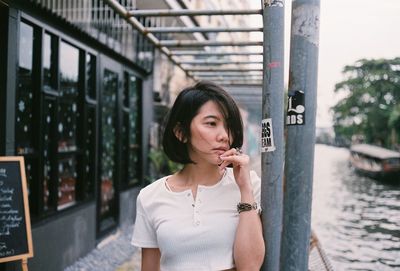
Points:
x=200, y=174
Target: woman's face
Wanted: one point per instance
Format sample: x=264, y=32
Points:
x=209, y=136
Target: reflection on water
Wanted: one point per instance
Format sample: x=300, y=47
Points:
x=357, y=219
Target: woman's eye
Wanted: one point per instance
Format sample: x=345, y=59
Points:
x=211, y=123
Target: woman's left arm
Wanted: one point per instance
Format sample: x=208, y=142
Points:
x=249, y=248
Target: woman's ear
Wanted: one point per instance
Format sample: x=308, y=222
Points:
x=179, y=133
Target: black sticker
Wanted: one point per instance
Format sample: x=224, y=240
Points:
x=296, y=108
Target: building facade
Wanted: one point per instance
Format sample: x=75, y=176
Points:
x=76, y=102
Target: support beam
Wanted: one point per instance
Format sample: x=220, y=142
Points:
x=272, y=160
x=195, y=43
x=302, y=95
x=241, y=85
x=220, y=62
x=188, y=12
x=229, y=74
x=226, y=78
x=201, y=29
x=224, y=73
x=118, y=8
x=205, y=53
x=238, y=81
x=223, y=69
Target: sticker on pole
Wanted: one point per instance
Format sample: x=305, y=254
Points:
x=267, y=138
x=296, y=108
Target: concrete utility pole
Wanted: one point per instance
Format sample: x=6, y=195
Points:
x=272, y=138
x=301, y=112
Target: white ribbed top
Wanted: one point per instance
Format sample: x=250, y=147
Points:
x=191, y=234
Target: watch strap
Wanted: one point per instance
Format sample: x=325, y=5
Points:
x=245, y=206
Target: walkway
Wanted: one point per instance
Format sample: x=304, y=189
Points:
x=115, y=253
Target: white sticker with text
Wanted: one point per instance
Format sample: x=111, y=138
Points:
x=267, y=138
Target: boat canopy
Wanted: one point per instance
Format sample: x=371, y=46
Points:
x=374, y=151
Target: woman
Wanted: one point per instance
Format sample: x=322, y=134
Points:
x=204, y=217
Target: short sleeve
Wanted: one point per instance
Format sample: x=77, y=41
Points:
x=256, y=184
x=144, y=235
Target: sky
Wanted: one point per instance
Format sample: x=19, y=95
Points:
x=349, y=30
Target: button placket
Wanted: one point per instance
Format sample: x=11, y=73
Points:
x=196, y=210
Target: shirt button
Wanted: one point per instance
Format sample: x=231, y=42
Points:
x=197, y=223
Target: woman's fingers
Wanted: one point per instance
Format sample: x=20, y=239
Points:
x=232, y=151
x=235, y=157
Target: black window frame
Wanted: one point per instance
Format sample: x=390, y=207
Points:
x=88, y=104
x=85, y=191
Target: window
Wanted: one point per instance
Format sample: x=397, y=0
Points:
x=55, y=120
x=49, y=62
x=131, y=131
x=68, y=115
x=25, y=92
x=89, y=128
x=109, y=148
x=26, y=96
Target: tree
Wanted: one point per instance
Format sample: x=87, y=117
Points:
x=371, y=104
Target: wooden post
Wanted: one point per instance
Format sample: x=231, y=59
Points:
x=25, y=264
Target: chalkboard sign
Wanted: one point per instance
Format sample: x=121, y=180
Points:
x=15, y=226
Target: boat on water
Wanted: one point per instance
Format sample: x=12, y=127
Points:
x=375, y=162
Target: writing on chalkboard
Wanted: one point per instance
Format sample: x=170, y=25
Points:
x=15, y=235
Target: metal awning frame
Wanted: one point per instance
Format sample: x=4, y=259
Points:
x=203, y=53
x=188, y=12
x=218, y=62
x=201, y=29
x=202, y=48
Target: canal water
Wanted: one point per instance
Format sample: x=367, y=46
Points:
x=357, y=219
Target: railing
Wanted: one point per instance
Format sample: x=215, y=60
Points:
x=97, y=19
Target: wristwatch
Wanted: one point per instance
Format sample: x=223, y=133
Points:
x=244, y=206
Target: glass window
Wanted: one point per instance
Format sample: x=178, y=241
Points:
x=25, y=94
x=67, y=126
x=69, y=68
x=108, y=132
x=134, y=131
x=48, y=153
x=25, y=113
x=49, y=62
x=131, y=131
x=68, y=110
x=55, y=128
x=91, y=76
x=89, y=153
x=67, y=181
x=25, y=46
x=90, y=132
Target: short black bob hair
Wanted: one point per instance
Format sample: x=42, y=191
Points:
x=186, y=107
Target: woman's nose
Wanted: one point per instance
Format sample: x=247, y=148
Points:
x=223, y=135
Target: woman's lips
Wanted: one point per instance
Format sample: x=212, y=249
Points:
x=219, y=151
